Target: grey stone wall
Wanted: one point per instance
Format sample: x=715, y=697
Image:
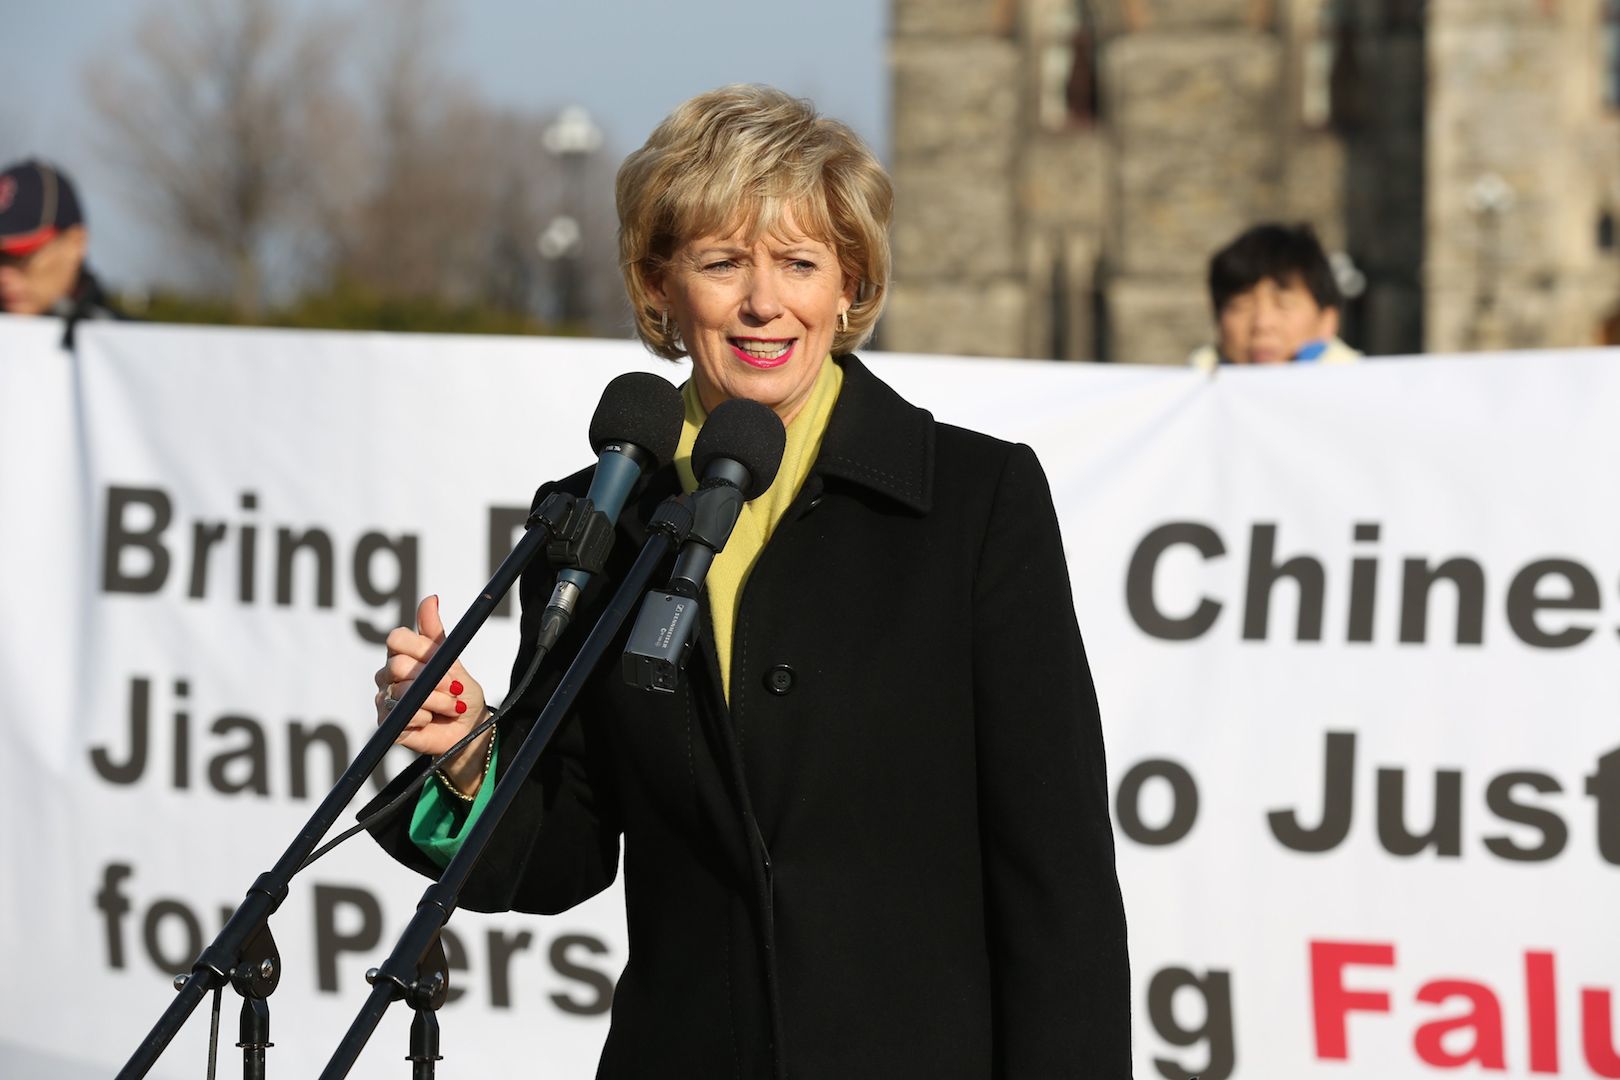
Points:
x=979, y=318
x=1513, y=105
x=1018, y=236
x=956, y=224
x=1196, y=151
x=1385, y=178
x=1012, y=237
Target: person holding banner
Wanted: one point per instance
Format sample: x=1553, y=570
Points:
x=1276, y=300
x=868, y=834
x=43, y=245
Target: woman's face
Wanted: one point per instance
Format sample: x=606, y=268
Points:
x=757, y=319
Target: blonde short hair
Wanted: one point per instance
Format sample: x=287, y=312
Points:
x=741, y=156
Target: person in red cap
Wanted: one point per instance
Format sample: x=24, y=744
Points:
x=42, y=247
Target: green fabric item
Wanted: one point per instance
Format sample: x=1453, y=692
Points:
x=440, y=821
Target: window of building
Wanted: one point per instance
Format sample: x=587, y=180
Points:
x=1611, y=53
x=1405, y=15
x=1102, y=341
x=1330, y=77
x=1068, y=71
x=1608, y=331
x=1058, y=308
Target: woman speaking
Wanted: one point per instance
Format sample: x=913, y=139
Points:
x=868, y=835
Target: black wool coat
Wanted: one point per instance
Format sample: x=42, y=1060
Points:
x=891, y=855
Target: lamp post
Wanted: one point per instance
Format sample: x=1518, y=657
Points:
x=571, y=138
x=1489, y=198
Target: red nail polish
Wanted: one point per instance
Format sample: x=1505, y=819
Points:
x=456, y=687
x=461, y=706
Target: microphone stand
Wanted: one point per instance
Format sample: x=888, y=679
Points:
x=244, y=953
x=402, y=974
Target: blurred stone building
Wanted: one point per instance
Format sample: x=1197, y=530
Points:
x=1064, y=168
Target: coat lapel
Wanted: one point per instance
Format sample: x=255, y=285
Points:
x=878, y=440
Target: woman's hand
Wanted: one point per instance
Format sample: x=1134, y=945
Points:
x=449, y=712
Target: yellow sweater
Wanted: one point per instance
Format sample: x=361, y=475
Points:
x=760, y=517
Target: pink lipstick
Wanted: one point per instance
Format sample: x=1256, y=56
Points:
x=763, y=363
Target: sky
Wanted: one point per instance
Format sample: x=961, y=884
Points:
x=626, y=61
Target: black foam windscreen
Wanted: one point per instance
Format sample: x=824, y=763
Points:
x=746, y=432
x=641, y=409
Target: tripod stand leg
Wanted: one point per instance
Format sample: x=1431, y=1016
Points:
x=255, y=1033
x=424, y=1042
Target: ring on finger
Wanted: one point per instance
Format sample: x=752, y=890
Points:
x=388, y=698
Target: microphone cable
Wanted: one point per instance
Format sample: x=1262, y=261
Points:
x=399, y=801
x=636, y=427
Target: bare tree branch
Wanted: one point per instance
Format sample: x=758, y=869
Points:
x=215, y=113
x=244, y=144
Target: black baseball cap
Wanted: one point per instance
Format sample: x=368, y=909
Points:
x=36, y=203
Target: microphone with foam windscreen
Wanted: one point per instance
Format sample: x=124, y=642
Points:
x=635, y=429
x=735, y=458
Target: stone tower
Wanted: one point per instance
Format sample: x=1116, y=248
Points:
x=1523, y=167
x=1064, y=168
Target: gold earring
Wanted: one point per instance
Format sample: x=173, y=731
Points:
x=843, y=321
x=663, y=322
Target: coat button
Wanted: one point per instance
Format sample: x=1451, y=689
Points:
x=779, y=680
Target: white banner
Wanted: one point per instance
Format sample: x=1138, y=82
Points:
x=1354, y=630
